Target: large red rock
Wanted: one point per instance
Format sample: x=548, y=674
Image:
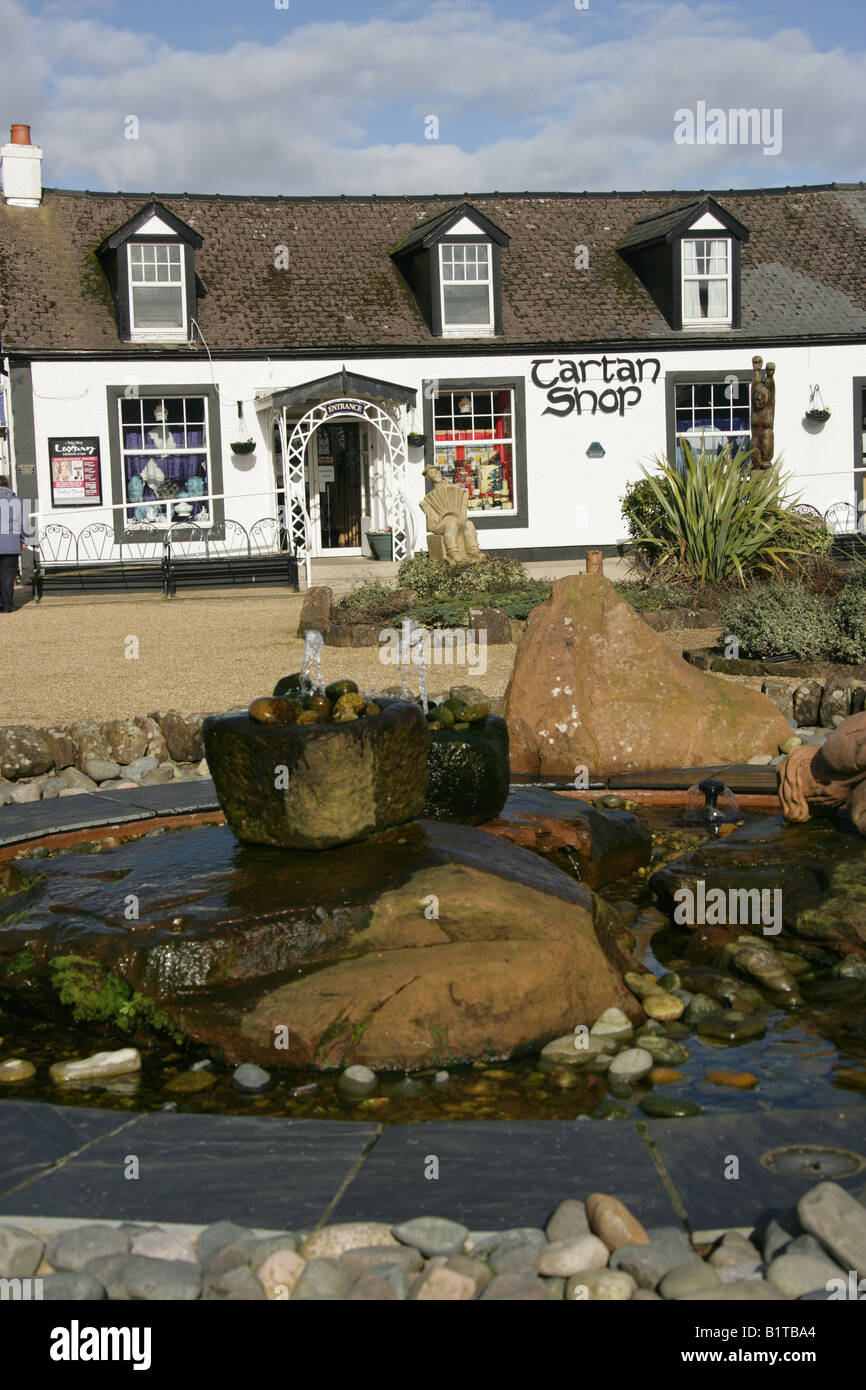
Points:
x=594, y=686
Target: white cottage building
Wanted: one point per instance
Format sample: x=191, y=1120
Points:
x=275, y=373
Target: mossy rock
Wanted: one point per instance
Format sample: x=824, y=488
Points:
x=468, y=772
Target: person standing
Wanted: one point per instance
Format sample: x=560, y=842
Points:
x=11, y=542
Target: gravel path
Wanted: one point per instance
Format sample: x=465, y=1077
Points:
x=67, y=660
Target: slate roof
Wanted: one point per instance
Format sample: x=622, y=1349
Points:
x=803, y=271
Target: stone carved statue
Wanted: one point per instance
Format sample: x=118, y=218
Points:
x=445, y=508
x=763, y=414
x=823, y=779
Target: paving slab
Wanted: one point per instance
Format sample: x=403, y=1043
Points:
x=257, y=1171
x=60, y=814
x=697, y=1153
x=165, y=799
x=499, y=1174
x=35, y=1135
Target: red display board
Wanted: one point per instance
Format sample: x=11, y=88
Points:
x=76, y=473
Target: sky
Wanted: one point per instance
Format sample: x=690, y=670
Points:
x=330, y=96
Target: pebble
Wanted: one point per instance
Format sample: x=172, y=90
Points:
x=631, y=1066
x=238, y=1283
x=568, y=1221
x=611, y=1219
x=438, y=1282
x=664, y=1076
x=567, y=1257
x=799, y=1274
x=323, y=1280
x=699, y=1006
x=189, y=1082
x=76, y=1248
x=376, y=1287
x=688, y=1278
x=118, y=1063
x=16, y=1069
x=735, y=1258
x=515, y=1259
x=216, y=1236
x=665, y=1051
x=514, y=1287
x=741, y=1080
x=138, y=1278
x=163, y=1245
x=366, y=1257
x=664, y=1006
x=600, y=1286
x=251, y=1080
x=71, y=1287
x=432, y=1235
x=279, y=1272
x=835, y=1218
x=669, y=1107
x=20, y=1253
x=332, y=1241
x=612, y=1023
x=667, y=1248
x=752, y=1291
x=571, y=1050
x=731, y=1026
x=357, y=1082
x=642, y=986
x=442, y=1078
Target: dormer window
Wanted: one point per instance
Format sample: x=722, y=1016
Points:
x=157, y=295
x=453, y=265
x=688, y=258
x=467, y=298
x=150, y=265
x=706, y=281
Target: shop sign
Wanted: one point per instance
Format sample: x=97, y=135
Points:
x=76, y=475
x=617, y=383
x=345, y=408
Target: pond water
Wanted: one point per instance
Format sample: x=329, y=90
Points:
x=796, y=1063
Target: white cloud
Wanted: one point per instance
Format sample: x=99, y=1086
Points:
x=309, y=113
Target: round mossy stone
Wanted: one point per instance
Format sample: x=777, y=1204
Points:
x=669, y=1107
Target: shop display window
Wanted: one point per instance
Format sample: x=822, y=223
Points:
x=165, y=459
x=716, y=413
x=474, y=445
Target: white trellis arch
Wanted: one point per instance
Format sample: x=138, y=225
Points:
x=294, y=445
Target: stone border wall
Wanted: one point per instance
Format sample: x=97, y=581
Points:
x=318, y=608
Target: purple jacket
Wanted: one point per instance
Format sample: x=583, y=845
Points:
x=11, y=523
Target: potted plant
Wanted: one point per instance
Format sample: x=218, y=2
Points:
x=818, y=416
x=381, y=544
x=416, y=440
x=243, y=446
x=817, y=411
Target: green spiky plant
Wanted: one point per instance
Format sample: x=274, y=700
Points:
x=715, y=521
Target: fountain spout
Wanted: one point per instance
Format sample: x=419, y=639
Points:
x=311, y=675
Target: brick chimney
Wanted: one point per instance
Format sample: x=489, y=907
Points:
x=21, y=169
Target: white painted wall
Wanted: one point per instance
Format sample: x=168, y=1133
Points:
x=573, y=500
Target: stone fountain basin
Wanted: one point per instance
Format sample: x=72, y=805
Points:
x=318, y=785
x=430, y=944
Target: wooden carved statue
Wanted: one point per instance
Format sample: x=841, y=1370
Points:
x=763, y=414
x=445, y=508
x=823, y=779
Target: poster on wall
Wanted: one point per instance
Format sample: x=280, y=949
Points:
x=76, y=476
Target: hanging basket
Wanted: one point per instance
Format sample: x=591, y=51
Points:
x=817, y=416
x=415, y=440
x=243, y=446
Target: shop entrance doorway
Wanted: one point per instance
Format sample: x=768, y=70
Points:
x=338, y=484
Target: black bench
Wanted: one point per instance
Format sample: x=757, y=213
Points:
x=200, y=558
x=89, y=563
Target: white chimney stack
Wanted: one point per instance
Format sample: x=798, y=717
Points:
x=21, y=169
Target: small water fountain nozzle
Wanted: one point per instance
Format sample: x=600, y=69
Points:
x=711, y=803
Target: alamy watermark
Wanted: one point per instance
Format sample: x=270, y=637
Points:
x=440, y=646
x=739, y=125
x=731, y=907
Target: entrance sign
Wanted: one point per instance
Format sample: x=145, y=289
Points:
x=332, y=408
x=326, y=474
x=76, y=475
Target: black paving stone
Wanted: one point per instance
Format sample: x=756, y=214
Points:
x=64, y=813
x=34, y=1135
x=197, y=1168
x=499, y=1174
x=695, y=1153
x=165, y=799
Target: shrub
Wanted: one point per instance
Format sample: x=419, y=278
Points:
x=521, y=604
x=779, y=618
x=642, y=510
x=368, y=603
x=850, y=615
x=716, y=521
x=646, y=594
x=434, y=579
x=440, y=613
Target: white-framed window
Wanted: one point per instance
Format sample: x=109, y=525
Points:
x=716, y=414
x=466, y=276
x=474, y=445
x=706, y=280
x=157, y=294
x=165, y=460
